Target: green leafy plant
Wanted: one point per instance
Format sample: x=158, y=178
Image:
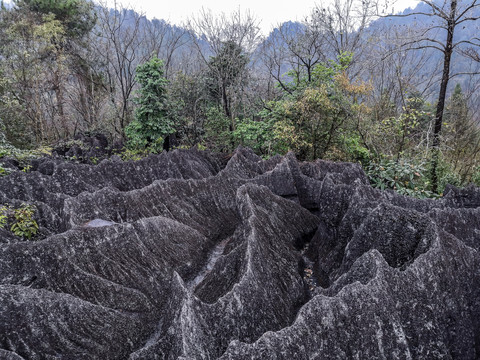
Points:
x=24, y=157
x=4, y=171
x=3, y=216
x=356, y=151
x=314, y=116
x=201, y=147
x=152, y=117
x=447, y=175
x=405, y=177
x=217, y=130
x=258, y=135
x=133, y=154
x=476, y=176
x=24, y=224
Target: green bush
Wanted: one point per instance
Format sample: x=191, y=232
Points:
x=449, y=178
x=405, y=177
x=447, y=175
x=476, y=176
x=356, y=151
x=218, y=136
x=153, y=120
x=3, y=171
x=257, y=135
x=21, y=219
x=24, y=226
x=3, y=216
x=24, y=157
x=135, y=154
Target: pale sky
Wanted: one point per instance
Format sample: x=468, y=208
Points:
x=269, y=13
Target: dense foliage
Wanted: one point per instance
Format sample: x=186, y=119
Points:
x=331, y=87
x=20, y=221
x=153, y=120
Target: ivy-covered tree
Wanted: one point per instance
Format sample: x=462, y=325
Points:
x=29, y=76
x=225, y=75
x=153, y=117
x=41, y=41
x=76, y=16
x=75, y=19
x=225, y=45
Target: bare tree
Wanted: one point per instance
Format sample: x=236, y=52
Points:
x=121, y=45
x=87, y=93
x=326, y=33
x=345, y=24
x=213, y=31
x=165, y=41
x=443, y=20
x=295, y=47
x=273, y=57
x=225, y=44
x=396, y=78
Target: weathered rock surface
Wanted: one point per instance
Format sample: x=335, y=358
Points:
x=179, y=256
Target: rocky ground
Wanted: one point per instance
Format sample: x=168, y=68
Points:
x=181, y=256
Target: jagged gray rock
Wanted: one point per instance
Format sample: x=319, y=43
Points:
x=56, y=181
x=180, y=256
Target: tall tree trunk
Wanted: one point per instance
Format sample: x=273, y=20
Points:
x=228, y=114
x=226, y=103
x=59, y=89
x=60, y=99
x=447, y=55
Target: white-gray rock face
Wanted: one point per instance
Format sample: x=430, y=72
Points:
x=182, y=257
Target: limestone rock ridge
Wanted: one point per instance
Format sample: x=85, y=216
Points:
x=185, y=256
